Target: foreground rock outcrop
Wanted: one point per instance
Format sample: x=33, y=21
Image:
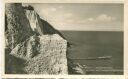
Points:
x=44, y=54
x=33, y=46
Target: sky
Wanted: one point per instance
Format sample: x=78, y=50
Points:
x=82, y=16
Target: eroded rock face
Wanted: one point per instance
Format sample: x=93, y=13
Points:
x=44, y=54
x=33, y=46
x=17, y=25
x=38, y=25
x=34, y=21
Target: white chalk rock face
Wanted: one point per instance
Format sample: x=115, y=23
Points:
x=34, y=21
x=44, y=54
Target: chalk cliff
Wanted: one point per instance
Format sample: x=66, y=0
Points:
x=17, y=26
x=38, y=25
x=33, y=46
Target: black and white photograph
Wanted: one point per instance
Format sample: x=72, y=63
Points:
x=64, y=38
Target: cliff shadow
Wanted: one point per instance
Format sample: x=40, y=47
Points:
x=47, y=28
x=13, y=65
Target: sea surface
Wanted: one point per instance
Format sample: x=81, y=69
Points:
x=94, y=44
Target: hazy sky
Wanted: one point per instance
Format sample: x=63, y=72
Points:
x=82, y=16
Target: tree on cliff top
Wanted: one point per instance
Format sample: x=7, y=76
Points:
x=29, y=7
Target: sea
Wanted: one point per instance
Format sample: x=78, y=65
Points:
x=94, y=47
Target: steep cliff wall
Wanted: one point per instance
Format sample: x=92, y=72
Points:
x=32, y=53
x=39, y=25
x=17, y=25
x=44, y=54
x=34, y=21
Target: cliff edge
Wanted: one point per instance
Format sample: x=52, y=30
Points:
x=33, y=46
